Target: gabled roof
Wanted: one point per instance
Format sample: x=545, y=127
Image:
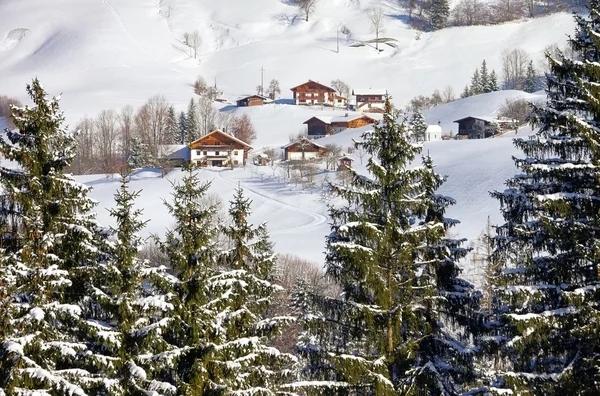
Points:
x=298, y=141
x=218, y=131
x=314, y=82
x=369, y=91
x=434, y=129
x=331, y=119
x=252, y=96
x=486, y=119
x=347, y=157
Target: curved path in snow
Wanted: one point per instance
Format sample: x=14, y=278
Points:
x=317, y=219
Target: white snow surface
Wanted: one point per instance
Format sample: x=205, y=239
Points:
x=111, y=53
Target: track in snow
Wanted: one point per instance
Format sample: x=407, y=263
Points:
x=317, y=219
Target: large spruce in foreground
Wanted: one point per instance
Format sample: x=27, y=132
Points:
x=402, y=324
x=548, y=315
x=52, y=245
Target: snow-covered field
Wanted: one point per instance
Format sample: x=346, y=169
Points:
x=111, y=53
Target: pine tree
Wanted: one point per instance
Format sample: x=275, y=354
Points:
x=182, y=128
x=184, y=331
x=548, y=317
x=530, y=83
x=439, y=12
x=173, y=132
x=493, y=82
x=418, y=126
x=476, y=88
x=466, y=92
x=242, y=294
x=47, y=345
x=139, y=155
x=402, y=326
x=192, y=125
x=484, y=78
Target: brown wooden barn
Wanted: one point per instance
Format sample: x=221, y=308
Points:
x=481, y=127
x=303, y=149
x=251, y=100
x=313, y=93
x=219, y=149
x=320, y=126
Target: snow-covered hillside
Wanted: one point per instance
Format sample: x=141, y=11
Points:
x=109, y=53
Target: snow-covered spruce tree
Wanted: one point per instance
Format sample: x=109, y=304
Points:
x=418, y=126
x=184, y=330
x=192, y=125
x=484, y=77
x=476, y=84
x=493, y=82
x=46, y=344
x=242, y=293
x=173, y=132
x=439, y=11
x=182, y=128
x=530, y=83
x=549, y=315
x=123, y=306
x=402, y=324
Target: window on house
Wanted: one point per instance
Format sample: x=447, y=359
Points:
x=236, y=162
x=235, y=153
x=197, y=152
x=205, y=152
x=216, y=153
x=217, y=143
x=204, y=143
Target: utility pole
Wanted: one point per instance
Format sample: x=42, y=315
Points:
x=262, y=88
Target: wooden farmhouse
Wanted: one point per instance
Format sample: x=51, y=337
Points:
x=320, y=126
x=303, y=149
x=313, y=93
x=219, y=149
x=481, y=127
x=370, y=100
x=252, y=100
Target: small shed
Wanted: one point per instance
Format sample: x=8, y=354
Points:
x=345, y=162
x=251, y=100
x=261, y=160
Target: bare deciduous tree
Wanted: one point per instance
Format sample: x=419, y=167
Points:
x=107, y=133
x=376, y=19
x=448, y=94
x=193, y=40
x=514, y=67
x=243, y=129
x=508, y=10
x=517, y=110
x=273, y=154
x=333, y=153
x=200, y=86
x=273, y=89
x=126, y=131
x=343, y=89
x=207, y=115
x=152, y=123
x=470, y=12
x=307, y=7
x=85, y=161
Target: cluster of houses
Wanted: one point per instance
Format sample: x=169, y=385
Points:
x=219, y=149
x=313, y=93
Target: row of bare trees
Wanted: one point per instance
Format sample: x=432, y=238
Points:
x=5, y=104
x=482, y=12
x=111, y=139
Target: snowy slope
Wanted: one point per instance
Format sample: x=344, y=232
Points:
x=109, y=53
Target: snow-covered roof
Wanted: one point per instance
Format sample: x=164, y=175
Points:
x=369, y=91
x=434, y=129
x=344, y=118
x=346, y=157
x=266, y=98
x=493, y=120
x=298, y=141
x=175, y=151
x=223, y=133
